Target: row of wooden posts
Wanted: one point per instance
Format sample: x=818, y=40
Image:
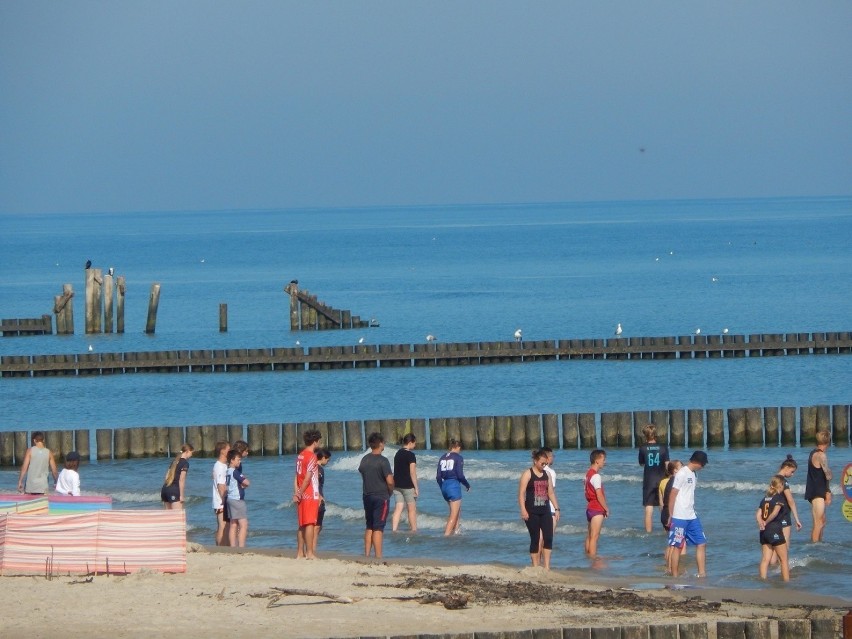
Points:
x=104, y=306
x=428, y=354
x=26, y=326
x=679, y=428
x=309, y=313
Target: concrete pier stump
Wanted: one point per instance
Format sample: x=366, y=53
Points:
x=570, y=431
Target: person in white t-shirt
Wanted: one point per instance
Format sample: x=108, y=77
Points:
x=684, y=525
x=220, y=487
x=68, y=482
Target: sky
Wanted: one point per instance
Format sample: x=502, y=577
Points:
x=158, y=105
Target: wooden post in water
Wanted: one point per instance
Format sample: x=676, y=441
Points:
x=736, y=427
x=153, y=304
x=7, y=449
x=570, y=431
x=502, y=432
x=677, y=428
x=81, y=443
x=290, y=443
x=354, y=435
x=120, y=289
x=788, y=426
x=103, y=439
x=272, y=440
x=121, y=443
x=223, y=318
x=609, y=430
x=518, y=434
x=641, y=418
x=137, y=442
x=89, y=307
x=485, y=432
x=770, y=426
x=468, y=433
x=532, y=428
x=625, y=430
x=660, y=419
x=109, y=290
x=808, y=426
x=695, y=427
x=588, y=432
x=840, y=423
x=64, y=310
x=715, y=427
x=823, y=417
x=336, y=438
x=550, y=426
x=754, y=427
x=255, y=439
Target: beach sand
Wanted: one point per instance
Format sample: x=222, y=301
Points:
x=262, y=593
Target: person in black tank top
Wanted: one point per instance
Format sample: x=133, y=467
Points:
x=817, y=490
x=535, y=494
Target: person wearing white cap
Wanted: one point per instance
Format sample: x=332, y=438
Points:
x=684, y=525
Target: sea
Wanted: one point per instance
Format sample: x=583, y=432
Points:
x=461, y=273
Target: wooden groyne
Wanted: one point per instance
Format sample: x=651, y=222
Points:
x=428, y=354
x=679, y=428
x=307, y=313
x=27, y=326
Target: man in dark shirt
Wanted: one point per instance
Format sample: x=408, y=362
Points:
x=378, y=485
x=405, y=483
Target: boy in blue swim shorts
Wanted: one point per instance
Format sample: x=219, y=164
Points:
x=684, y=525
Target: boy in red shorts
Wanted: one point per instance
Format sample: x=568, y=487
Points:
x=306, y=494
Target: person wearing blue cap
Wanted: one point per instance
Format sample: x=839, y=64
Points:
x=684, y=525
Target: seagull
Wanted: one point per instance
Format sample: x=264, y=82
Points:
x=725, y=331
x=91, y=348
x=431, y=338
x=88, y=264
x=111, y=271
x=361, y=340
x=618, y=329
x=714, y=279
x=518, y=335
x=202, y=260
x=298, y=343
x=296, y=282
x=698, y=331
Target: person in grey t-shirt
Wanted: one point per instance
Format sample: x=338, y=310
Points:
x=378, y=486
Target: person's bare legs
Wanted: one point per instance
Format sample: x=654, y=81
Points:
x=545, y=555
x=453, y=519
x=818, y=512
x=766, y=552
x=701, y=559
x=412, y=516
x=593, y=535
x=782, y=552
x=373, y=539
x=649, y=515
x=397, y=514
x=317, y=531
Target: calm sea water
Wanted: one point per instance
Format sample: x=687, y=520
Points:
x=462, y=274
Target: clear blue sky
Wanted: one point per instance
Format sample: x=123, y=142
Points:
x=163, y=105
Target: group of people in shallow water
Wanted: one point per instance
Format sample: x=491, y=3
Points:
x=671, y=485
x=667, y=484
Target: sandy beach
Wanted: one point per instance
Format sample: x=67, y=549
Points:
x=269, y=594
